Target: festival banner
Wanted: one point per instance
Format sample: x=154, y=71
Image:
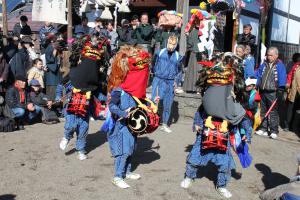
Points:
x=49, y=10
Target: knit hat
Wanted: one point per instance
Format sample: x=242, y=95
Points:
x=34, y=82
x=20, y=78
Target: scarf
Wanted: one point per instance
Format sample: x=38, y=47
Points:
x=21, y=93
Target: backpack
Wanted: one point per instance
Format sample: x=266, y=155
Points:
x=7, y=124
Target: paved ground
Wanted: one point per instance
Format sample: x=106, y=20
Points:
x=33, y=168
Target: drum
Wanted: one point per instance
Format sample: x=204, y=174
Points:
x=142, y=122
x=78, y=104
x=214, y=138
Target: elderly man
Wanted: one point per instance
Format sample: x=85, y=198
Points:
x=247, y=61
x=144, y=32
x=271, y=81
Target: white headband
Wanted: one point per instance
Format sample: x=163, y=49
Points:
x=250, y=81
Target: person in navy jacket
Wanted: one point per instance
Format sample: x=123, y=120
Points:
x=271, y=81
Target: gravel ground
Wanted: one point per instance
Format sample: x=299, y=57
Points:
x=32, y=166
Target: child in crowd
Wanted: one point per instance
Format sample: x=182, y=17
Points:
x=41, y=100
x=37, y=72
x=166, y=69
x=252, y=108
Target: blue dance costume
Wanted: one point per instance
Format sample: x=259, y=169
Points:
x=75, y=123
x=199, y=157
x=121, y=142
x=166, y=69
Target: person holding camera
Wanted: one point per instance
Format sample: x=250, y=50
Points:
x=144, y=32
x=125, y=33
x=53, y=74
x=99, y=29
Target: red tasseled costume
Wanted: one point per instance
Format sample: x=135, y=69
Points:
x=130, y=71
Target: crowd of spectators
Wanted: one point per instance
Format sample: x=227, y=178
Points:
x=43, y=69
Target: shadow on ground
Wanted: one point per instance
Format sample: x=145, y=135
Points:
x=146, y=153
x=7, y=197
x=271, y=179
x=174, y=115
x=93, y=141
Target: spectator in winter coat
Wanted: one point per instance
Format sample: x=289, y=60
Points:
x=125, y=34
x=4, y=67
x=53, y=75
x=293, y=86
x=45, y=32
x=22, y=28
x=37, y=72
x=248, y=61
x=144, y=32
x=113, y=37
x=20, y=62
x=41, y=100
x=83, y=28
x=19, y=102
x=271, y=81
x=11, y=49
x=246, y=38
x=99, y=29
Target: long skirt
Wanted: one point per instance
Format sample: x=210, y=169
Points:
x=191, y=74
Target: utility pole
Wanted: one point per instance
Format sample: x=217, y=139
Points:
x=70, y=22
x=4, y=21
x=184, y=9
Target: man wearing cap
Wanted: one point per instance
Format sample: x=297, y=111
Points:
x=22, y=28
x=125, y=33
x=42, y=102
x=19, y=102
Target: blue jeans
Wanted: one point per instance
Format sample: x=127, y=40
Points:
x=289, y=196
x=165, y=90
x=122, y=165
x=21, y=112
x=33, y=114
x=77, y=124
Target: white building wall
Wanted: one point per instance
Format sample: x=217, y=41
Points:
x=279, y=23
x=295, y=8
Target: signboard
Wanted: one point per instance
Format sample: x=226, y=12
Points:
x=49, y=10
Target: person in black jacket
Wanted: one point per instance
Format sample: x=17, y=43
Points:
x=42, y=102
x=19, y=64
x=22, y=28
x=246, y=38
x=144, y=33
x=19, y=102
x=125, y=34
